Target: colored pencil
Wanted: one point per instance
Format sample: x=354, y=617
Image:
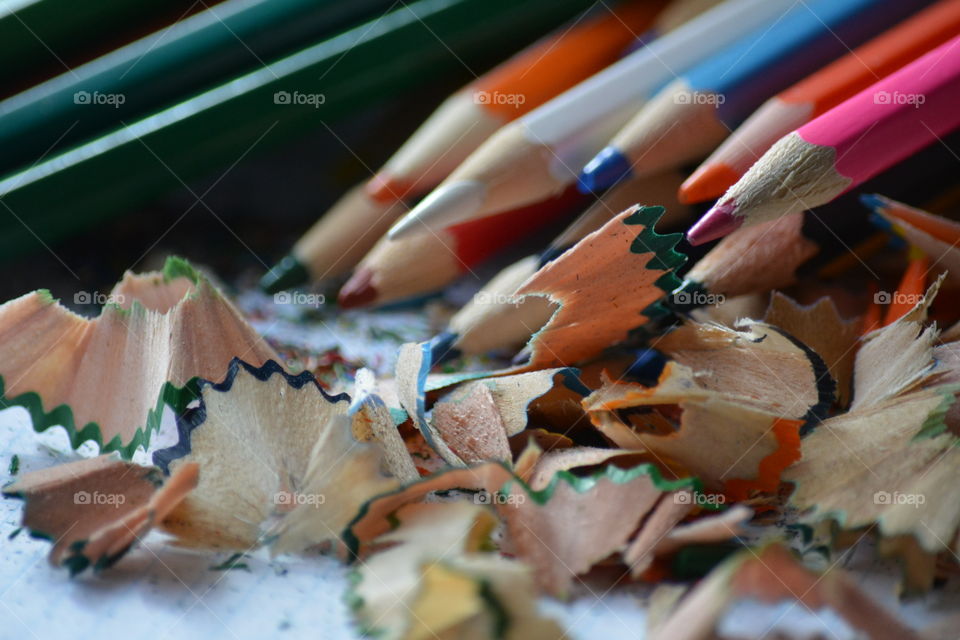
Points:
x=43, y=38
x=818, y=93
x=163, y=68
x=336, y=242
x=925, y=232
x=940, y=228
x=695, y=112
x=467, y=118
x=403, y=269
x=672, y=16
x=910, y=289
x=822, y=243
x=131, y=166
x=675, y=14
x=539, y=155
x=494, y=320
x=519, y=85
x=847, y=145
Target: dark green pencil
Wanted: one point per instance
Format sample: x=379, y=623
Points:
x=163, y=68
x=135, y=164
x=43, y=38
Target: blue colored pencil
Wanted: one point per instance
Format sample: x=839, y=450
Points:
x=694, y=113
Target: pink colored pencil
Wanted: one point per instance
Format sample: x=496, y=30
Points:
x=854, y=141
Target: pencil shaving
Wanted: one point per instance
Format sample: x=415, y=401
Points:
x=625, y=266
x=772, y=575
x=438, y=575
x=95, y=510
x=901, y=421
x=730, y=446
x=107, y=379
x=278, y=461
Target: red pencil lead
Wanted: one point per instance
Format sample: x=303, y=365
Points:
x=358, y=291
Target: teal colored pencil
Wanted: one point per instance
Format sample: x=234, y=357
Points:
x=163, y=68
x=130, y=166
x=43, y=38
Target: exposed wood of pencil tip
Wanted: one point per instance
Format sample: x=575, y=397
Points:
x=400, y=269
x=338, y=240
x=758, y=258
x=792, y=176
x=495, y=318
x=437, y=147
x=515, y=170
x=744, y=147
x=678, y=125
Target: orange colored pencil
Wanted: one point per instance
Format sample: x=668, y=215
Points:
x=940, y=228
x=911, y=288
x=861, y=137
x=927, y=233
x=874, y=313
x=535, y=75
x=818, y=93
x=466, y=119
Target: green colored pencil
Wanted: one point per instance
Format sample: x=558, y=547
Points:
x=163, y=68
x=135, y=164
x=43, y=38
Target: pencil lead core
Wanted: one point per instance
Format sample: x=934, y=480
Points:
x=287, y=273
x=445, y=206
x=707, y=182
x=717, y=223
x=386, y=189
x=606, y=169
x=358, y=291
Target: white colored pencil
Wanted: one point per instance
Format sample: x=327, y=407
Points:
x=540, y=154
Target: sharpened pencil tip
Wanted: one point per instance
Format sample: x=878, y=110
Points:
x=358, y=291
x=445, y=206
x=386, y=189
x=287, y=273
x=522, y=357
x=606, y=169
x=716, y=223
x=403, y=227
x=707, y=182
x=441, y=347
x=872, y=201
